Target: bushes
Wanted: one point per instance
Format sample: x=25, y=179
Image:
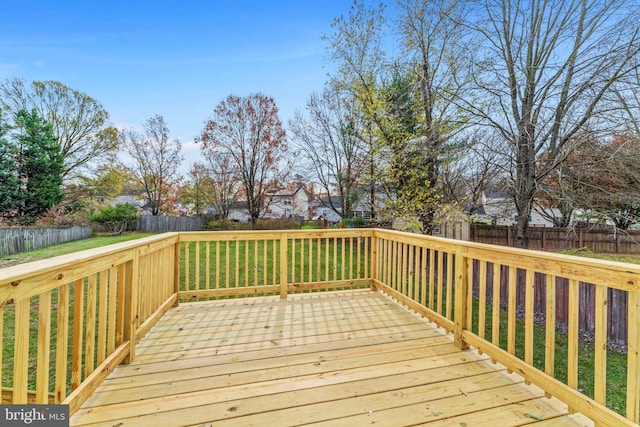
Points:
x=115, y=218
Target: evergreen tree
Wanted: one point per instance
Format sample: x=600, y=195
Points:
x=9, y=184
x=40, y=165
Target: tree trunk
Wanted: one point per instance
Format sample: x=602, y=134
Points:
x=521, y=238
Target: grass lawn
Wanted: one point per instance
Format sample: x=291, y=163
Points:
x=70, y=247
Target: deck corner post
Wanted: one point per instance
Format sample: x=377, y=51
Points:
x=461, y=290
x=131, y=311
x=284, y=240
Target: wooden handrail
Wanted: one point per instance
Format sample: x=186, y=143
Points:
x=129, y=286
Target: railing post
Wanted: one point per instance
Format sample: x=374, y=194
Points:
x=374, y=260
x=132, y=283
x=283, y=265
x=461, y=308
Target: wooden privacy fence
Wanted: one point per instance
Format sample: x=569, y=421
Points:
x=75, y=317
x=15, y=240
x=616, y=301
x=561, y=239
x=151, y=223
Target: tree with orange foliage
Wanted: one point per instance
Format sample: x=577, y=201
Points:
x=249, y=132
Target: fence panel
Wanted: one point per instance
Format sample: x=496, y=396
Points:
x=15, y=240
x=151, y=223
x=561, y=239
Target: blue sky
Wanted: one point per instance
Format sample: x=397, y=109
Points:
x=173, y=58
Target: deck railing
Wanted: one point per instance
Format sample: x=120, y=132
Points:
x=69, y=321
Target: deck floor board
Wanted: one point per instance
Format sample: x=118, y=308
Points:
x=333, y=358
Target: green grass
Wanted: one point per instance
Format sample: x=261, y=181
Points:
x=67, y=248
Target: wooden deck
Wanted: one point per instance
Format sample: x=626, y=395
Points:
x=336, y=358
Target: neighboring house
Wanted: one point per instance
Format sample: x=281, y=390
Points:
x=321, y=207
x=499, y=209
x=292, y=201
x=239, y=212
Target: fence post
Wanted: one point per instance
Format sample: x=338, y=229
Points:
x=461, y=290
x=131, y=285
x=283, y=265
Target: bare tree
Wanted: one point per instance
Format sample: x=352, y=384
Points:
x=80, y=123
x=329, y=134
x=249, y=131
x=475, y=167
x=156, y=159
x=225, y=183
x=548, y=72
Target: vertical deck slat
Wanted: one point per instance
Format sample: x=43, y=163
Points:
x=256, y=261
x=62, y=343
x=335, y=259
x=469, y=293
x=572, y=334
x=265, y=269
x=44, y=345
x=318, y=256
x=207, y=267
x=440, y=288
x=633, y=357
x=403, y=269
x=600, y=347
x=1, y=349
x=103, y=307
x=274, y=263
x=122, y=273
x=111, y=317
x=359, y=259
x=246, y=263
x=302, y=259
x=550, y=326
x=423, y=277
x=187, y=251
x=432, y=278
x=495, y=305
x=78, y=316
x=511, y=316
x=482, y=299
x=350, y=257
x=227, y=269
x=411, y=291
x=21, y=352
x=236, y=257
x=292, y=278
x=187, y=269
x=196, y=272
x=343, y=248
x=217, y=285
x=449, y=295
x=90, y=334
x=528, y=316
x=284, y=244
